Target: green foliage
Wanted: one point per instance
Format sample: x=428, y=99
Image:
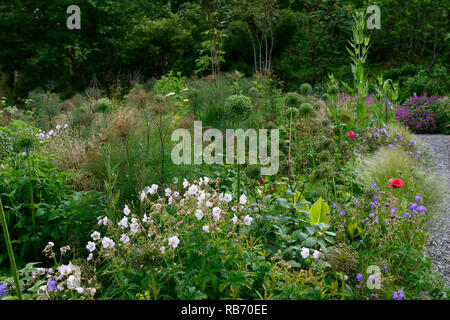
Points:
x=6, y=144
x=435, y=82
x=319, y=212
x=50, y=190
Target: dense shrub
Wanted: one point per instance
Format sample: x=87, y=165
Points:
x=423, y=114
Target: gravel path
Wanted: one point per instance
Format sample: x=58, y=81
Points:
x=439, y=241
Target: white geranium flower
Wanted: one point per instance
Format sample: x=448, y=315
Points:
x=304, y=253
x=90, y=246
x=185, y=183
x=126, y=210
x=209, y=204
x=175, y=180
x=162, y=249
x=206, y=229
x=235, y=219
x=123, y=223
x=227, y=197
x=206, y=180
x=199, y=214
x=80, y=290
x=316, y=254
x=153, y=189
x=145, y=219
x=216, y=213
x=90, y=256
x=124, y=238
x=193, y=189
x=158, y=206
x=173, y=241
x=64, y=270
x=51, y=244
x=248, y=220
x=71, y=280
x=243, y=199
x=95, y=235
x=134, y=227
x=143, y=196
x=108, y=243
x=182, y=202
x=176, y=194
x=168, y=192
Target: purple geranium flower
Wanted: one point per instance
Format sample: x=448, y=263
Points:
x=398, y=295
x=51, y=285
x=422, y=209
x=2, y=289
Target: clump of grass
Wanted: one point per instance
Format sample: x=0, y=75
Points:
x=385, y=165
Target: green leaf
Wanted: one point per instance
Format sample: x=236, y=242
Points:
x=318, y=212
x=309, y=242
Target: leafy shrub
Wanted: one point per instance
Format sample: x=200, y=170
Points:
x=424, y=114
x=435, y=82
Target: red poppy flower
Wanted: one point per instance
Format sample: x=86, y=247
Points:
x=351, y=134
x=287, y=154
x=396, y=183
x=261, y=181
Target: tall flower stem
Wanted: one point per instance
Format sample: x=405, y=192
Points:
x=238, y=189
x=12, y=260
x=33, y=218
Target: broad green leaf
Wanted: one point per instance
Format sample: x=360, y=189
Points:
x=318, y=212
x=309, y=242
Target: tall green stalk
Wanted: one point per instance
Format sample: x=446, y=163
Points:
x=238, y=172
x=12, y=260
x=33, y=218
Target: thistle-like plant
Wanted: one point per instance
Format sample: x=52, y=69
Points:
x=26, y=141
x=239, y=107
x=306, y=89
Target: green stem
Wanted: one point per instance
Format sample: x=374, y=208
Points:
x=33, y=218
x=12, y=261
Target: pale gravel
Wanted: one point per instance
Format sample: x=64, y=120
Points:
x=438, y=246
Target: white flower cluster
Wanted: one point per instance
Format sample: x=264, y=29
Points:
x=206, y=203
x=305, y=253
